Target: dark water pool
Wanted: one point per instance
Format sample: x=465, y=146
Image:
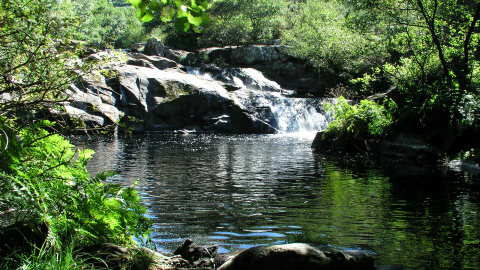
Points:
x=238, y=191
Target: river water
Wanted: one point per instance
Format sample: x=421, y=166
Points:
x=239, y=191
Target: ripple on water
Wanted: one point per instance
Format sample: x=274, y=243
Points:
x=239, y=191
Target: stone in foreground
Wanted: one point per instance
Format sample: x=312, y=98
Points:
x=299, y=257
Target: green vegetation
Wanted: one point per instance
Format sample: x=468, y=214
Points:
x=99, y=22
x=432, y=49
x=185, y=14
x=425, y=52
x=50, y=206
x=356, y=124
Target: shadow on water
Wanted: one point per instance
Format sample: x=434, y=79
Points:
x=239, y=191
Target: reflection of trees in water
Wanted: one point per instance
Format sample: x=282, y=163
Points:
x=425, y=222
x=249, y=190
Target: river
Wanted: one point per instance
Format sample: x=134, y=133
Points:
x=238, y=191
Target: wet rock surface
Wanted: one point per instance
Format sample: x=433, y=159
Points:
x=153, y=91
x=197, y=256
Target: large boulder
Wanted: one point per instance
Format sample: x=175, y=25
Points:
x=154, y=47
x=161, y=97
x=252, y=54
x=138, y=59
x=274, y=61
x=298, y=257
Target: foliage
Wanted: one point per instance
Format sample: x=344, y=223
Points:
x=187, y=14
x=244, y=22
x=433, y=63
x=34, y=70
x=43, y=259
x=51, y=185
x=321, y=34
x=100, y=22
x=43, y=180
x=365, y=121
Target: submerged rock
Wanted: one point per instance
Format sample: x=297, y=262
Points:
x=299, y=257
x=198, y=256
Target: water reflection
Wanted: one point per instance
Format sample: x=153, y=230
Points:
x=239, y=191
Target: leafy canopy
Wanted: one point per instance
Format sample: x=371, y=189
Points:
x=187, y=14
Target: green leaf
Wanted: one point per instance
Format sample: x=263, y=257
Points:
x=205, y=18
x=182, y=24
x=147, y=16
x=201, y=4
x=113, y=203
x=195, y=18
x=135, y=3
x=182, y=11
x=139, y=14
x=155, y=6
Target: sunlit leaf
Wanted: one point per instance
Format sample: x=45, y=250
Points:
x=194, y=18
x=182, y=12
x=135, y=3
x=147, y=16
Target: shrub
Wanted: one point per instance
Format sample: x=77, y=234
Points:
x=244, y=22
x=320, y=33
x=44, y=180
x=365, y=121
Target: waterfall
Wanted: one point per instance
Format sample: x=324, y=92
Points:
x=269, y=102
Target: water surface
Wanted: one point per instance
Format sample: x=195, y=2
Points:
x=238, y=191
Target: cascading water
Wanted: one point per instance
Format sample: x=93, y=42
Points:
x=270, y=102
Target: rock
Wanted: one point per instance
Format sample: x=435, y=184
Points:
x=460, y=165
x=154, y=47
x=89, y=119
x=273, y=60
x=299, y=257
x=200, y=256
x=172, y=100
x=251, y=54
x=158, y=93
x=155, y=61
x=274, y=42
x=408, y=147
x=140, y=63
x=175, y=55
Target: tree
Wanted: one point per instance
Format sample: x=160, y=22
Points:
x=100, y=22
x=244, y=22
x=435, y=63
x=43, y=178
x=34, y=68
x=320, y=34
x=447, y=27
